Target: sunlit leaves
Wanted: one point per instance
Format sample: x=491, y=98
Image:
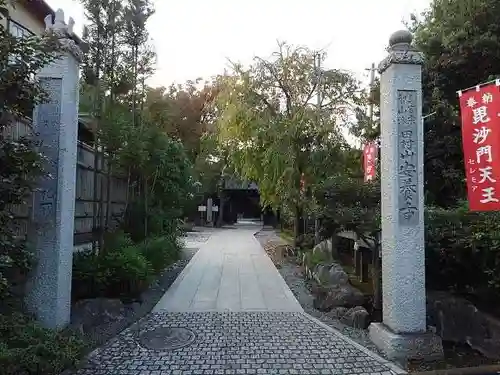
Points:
x=271, y=124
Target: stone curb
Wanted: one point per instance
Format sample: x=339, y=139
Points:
x=393, y=367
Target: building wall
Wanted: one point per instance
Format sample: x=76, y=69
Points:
x=23, y=16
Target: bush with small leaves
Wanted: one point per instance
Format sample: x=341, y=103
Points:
x=28, y=349
x=463, y=251
x=161, y=251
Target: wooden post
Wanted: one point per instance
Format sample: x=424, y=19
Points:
x=357, y=256
x=365, y=261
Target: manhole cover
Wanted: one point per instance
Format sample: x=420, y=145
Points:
x=164, y=338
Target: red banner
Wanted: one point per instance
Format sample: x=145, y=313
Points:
x=370, y=156
x=480, y=110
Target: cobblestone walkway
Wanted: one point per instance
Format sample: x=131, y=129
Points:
x=237, y=343
x=232, y=338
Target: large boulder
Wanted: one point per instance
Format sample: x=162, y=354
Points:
x=357, y=317
x=330, y=274
x=457, y=320
x=338, y=296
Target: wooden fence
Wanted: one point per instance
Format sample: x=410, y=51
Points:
x=84, y=205
x=84, y=199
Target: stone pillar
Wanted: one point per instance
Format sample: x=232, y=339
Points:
x=403, y=334
x=209, y=210
x=56, y=122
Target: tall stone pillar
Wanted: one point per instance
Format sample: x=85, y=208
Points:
x=210, y=204
x=56, y=122
x=403, y=333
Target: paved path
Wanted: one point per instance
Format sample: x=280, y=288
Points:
x=231, y=272
x=236, y=316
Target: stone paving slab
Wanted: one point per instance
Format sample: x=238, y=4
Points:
x=230, y=272
x=237, y=343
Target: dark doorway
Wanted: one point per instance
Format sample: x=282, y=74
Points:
x=242, y=203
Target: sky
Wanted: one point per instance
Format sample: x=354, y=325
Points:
x=194, y=38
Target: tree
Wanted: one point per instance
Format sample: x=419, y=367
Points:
x=366, y=128
x=116, y=68
x=105, y=25
x=349, y=204
x=273, y=129
x=460, y=41
x=183, y=111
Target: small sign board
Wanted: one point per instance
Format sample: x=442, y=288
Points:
x=215, y=208
x=202, y=208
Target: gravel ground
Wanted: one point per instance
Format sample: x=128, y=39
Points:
x=456, y=356
x=292, y=274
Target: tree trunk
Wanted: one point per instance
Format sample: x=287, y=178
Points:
x=297, y=225
x=95, y=197
x=101, y=203
x=127, y=192
x=108, y=196
x=317, y=238
x=146, y=208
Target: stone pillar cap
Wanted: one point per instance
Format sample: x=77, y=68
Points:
x=400, y=37
x=401, y=51
x=64, y=32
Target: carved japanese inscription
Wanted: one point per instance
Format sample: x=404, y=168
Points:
x=408, y=194
x=47, y=124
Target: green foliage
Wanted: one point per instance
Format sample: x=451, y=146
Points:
x=21, y=165
x=127, y=272
x=119, y=271
x=305, y=241
x=312, y=259
x=349, y=204
x=28, y=349
x=88, y=277
x=463, y=251
x=117, y=240
x=461, y=44
x=123, y=273
x=274, y=132
x=161, y=252
x=123, y=269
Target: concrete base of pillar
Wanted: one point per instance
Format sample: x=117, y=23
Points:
x=403, y=347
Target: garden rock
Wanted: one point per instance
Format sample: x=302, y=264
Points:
x=337, y=312
x=338, y=296
x=323, y=250
x=457, y=320
x=90, y=313
x=332, y=274
x=337, y=275
x=357, y=317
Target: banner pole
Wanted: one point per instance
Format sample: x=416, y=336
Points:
x=497, y=81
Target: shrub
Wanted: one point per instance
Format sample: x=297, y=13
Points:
x=306, y=241
x=117, y=240
x=28, y=349
x=88, y=280
x=161, y=252
x=121, y=273
x=127, y=272
x=348, y=204
x=463, y=251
